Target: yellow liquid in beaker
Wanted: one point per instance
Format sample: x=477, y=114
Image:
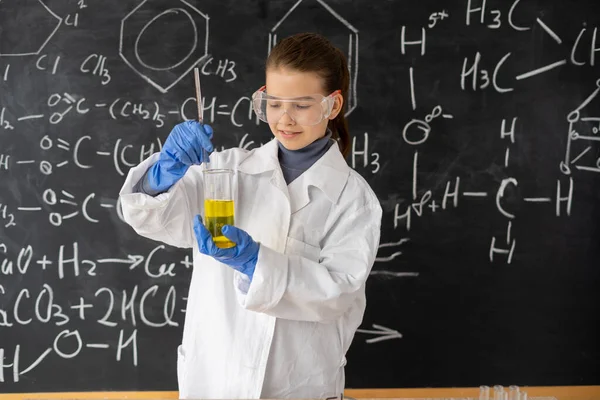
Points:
x=216, y=214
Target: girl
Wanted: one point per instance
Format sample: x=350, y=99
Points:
x=273, y=316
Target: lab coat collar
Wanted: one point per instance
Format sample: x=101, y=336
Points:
x=329, y=173
x=261, y=159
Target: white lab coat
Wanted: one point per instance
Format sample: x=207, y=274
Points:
x=286, y=333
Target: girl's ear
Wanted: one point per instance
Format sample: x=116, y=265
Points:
x=338, y=104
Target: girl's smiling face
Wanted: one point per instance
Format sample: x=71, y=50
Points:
x=289, y=83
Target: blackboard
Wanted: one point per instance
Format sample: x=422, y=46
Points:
x=476, y=122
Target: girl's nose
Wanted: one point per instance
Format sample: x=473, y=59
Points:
x=286, y=118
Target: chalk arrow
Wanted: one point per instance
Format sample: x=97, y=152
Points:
x=381, y=331
x=134, y=260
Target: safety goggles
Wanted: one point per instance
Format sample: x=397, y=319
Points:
x=306, y=110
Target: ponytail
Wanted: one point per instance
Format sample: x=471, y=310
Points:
x=340, y=132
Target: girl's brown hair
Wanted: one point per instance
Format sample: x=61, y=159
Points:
x=311, y=52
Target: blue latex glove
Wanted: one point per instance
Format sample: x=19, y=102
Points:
x=182, y=149
x=242, y=257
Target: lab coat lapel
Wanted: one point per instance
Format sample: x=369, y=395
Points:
x=266, y=159
x=329, y=174
x=298, y=191
x=261, y=159
x=278, y=210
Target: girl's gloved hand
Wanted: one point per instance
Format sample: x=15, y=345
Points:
x=183, y=148
x=242, y=257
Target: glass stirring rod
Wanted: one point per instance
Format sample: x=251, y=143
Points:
x=206, y=162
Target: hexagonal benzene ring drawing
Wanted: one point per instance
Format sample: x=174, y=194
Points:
x=317, y=16
x=26, y=26
x=162, y=40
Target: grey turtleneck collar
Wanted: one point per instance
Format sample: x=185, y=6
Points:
x=295, y=162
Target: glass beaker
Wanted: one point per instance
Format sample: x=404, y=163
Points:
x=218, y=204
